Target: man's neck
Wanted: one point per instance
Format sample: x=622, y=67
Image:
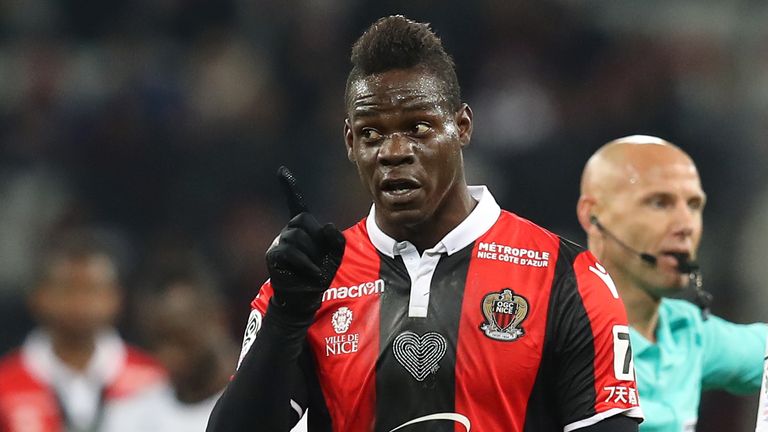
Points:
x=75, y=352
x=427, y=234
x=642, y=308
x=643, y=315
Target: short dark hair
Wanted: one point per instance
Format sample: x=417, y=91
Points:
x=186, y=268
x=73, y=245
x=396, y=42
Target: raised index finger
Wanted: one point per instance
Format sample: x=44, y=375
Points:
x=293, y=196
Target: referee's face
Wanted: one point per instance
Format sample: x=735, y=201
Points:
x=407, y=145
x=657, y=208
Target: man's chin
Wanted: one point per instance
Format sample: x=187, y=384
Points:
x=673, y=288
x=403, y=217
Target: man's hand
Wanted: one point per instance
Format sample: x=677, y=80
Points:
x=304, y=257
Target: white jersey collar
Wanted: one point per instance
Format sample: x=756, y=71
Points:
x=479, y=221
x=105, y=364
x=79, y=392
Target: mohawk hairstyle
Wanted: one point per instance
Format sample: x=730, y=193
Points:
x=396, y=42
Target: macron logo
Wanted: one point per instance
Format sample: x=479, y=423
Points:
x=603, y=275
x=355, y=291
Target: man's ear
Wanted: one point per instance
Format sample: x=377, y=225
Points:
x=36, y=302
x=585, y=209
x=348, y=140
x=464, y=123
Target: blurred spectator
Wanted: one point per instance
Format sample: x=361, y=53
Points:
x=183, y=318
x=74, y=367
x=750, y=258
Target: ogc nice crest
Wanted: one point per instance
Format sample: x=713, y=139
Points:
x=504, y=311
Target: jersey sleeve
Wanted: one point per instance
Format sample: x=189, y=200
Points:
x=596, y=377
x=258, y=309
x=733, y=355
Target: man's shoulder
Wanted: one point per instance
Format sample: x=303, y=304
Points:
x=14, y=374
x=137, y=357
x=140, y=372
x=521, y=228
x=357, y=229
x=357, y=238
x=514, y=223
x=11, y=364
x=356, y=232
x=680, y=314
x=679, y=308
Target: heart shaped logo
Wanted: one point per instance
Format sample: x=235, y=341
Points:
x=419, y=355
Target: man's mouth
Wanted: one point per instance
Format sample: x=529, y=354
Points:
x=681, y=260
x=398, y=187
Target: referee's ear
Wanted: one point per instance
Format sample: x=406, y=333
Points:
x=585, y=209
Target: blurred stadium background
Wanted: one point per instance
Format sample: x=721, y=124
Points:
x=162, y=123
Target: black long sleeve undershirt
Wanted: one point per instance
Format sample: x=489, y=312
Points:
x=269, y=377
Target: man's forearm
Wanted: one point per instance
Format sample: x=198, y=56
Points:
x=261, y=390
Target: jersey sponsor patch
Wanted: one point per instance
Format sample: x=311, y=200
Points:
x=419, y=355
x=254, y=324
x=341, y=320
x=621, y=395
x=504, y=312
x=513, y=255
x=354, y=291
x=342, y=343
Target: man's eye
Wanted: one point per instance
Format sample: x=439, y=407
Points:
x=695, y=204
x=370, y=134
x=659, y=202
x=421, y=129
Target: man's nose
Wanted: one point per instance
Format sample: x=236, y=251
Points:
x=396, y=149
x=685, y=220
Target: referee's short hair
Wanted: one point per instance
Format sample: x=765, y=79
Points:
x=396, y=42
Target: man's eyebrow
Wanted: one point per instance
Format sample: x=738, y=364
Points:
x=425, y=106
x=656, y=194
x=369, y=110
x=669, y=194
x=364, y=111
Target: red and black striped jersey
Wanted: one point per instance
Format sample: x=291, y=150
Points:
x=502, y=326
